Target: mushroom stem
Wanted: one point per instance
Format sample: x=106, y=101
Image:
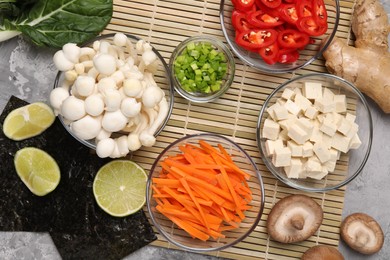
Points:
x=298, y=222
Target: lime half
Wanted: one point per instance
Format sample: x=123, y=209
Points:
x=37, y=169
x=28, y=121
x=119, y=188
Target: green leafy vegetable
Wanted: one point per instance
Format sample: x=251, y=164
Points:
x=54, y=22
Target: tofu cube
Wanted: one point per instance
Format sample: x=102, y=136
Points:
x=294, y=170
x=287, y=123
x=271, y=112
x=330, y=165
x=316, y=135
x=297, y=134
x=311, y=112
x=312, y=90
x=271, y=129
x=292, y=107
x=319, y=175
x=325, y=105
x=280, y=112
x=321, y=151
x=354, y=129
x=341, y=142
x=344, y=126
x=270, y=146
x=302, y=102
x=305, y=124
x=340, y=103
x=281, y=157
x=355, y=142
x=307, y=149
x=288, y=93
x=351, y=118
x=334, y=154
x=327, y=140
x=296, y=149
x=313, y=166
x=327, y=93
x=283, y=135
x=297, y=91
x=328, y=126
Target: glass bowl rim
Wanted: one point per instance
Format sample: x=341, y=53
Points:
x=324, y=46
x=370, y=136
x=255, y=168
x=167, y=76
x=230, y=60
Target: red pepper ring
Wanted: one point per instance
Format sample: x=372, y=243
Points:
x=309, y=25
x=240, y=22
x=256, y=38
x=319, y=12
x=271, y=3
x=293, y=39
x=264, y=20
x=288, y=12
x=304, y=8
x=243, y=5
x=270, y=53
x=288, y=55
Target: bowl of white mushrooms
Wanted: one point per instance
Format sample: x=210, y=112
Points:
x=113, y=94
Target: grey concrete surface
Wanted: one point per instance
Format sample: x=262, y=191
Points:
x=27, y=72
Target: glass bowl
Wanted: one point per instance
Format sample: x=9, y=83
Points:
x=311, y=52
x=161, y=77
x=227, y=79
x=349, y=164
x=177, y=236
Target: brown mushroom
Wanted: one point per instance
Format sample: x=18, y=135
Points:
x=294, y=218
x=362, y=233
x=322, y=252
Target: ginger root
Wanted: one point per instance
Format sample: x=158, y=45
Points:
x=367, y=65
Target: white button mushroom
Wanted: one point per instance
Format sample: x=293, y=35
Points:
x=120, y=39
x=133, y=139
x=132, y=87
x=106, y=83
x=84, y=85
x=105, y=147
x=114, y=121
x=57, y=96
x=112, y=99
x=87, y=127
x=151, y=96
x=103, y=134
x=71, y=75
x=104, y=63
x=94, y=105
x=71, y=52
x=121, y=143
x=130, y=107
x=73, y=108
x=61, y=62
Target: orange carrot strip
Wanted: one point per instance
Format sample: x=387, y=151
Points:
x=224, y=213
x=207, y=147
x=233, y=166
x=172, y=183
x=225, y=153
x=228, y=227
x=188, y=228
x=212, y=232
x=190, y=170
x=222, y=182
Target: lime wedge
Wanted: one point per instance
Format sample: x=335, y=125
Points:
x=37, y=169
x=28, y=121
x=119, y=188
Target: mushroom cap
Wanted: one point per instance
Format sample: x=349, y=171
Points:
x=362, y=233
x=294, y=218
x=322, y=252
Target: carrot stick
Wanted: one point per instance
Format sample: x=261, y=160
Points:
x=172, y=183
x=225, y=153
x=188, y=228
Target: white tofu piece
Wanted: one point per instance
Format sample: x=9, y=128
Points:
x=316, y=135
x=344, y=127
x=320, y=118
x=311, y=112
x=321, y=151
x=305, y=124
x=292, y=107
x=313, y=166
x=354, y=129
x=337, y=118
x=340, y=103
x=341, y=142
x=297, y=91
x=351, y=118
x=319, y=175
x=283, y=135
x=287, y=123
x=271, y=145
x=271, y=112
x=330, y=165
x=294, y=170
x=280, y=112
x=307, y=149
x=325, y=105
x=327, y=140
x=327, y=93
x=296, y=149
x=312, y=90
x=281, y=101
x=281, y=157
x=355, y=142
x=334, y=154
x=297, y=134
x=328, y=126
x=302, y=102
x=271, y=129
x=288, y=93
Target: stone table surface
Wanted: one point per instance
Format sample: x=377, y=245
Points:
x=27, y=72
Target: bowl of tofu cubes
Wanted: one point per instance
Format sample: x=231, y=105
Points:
x=314, y=132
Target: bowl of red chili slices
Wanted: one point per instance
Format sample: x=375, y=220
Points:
x=279, y=36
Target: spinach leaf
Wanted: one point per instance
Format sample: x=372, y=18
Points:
x=56, y=22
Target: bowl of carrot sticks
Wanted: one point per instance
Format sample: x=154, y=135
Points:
x=204, y=193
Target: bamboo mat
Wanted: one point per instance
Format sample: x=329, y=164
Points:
x=165, y=23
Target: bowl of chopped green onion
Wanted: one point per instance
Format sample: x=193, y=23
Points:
x=202, y=68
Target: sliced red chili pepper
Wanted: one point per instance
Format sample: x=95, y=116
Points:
x=288, y=55
x=240, y=22
x=256, y=38
x=310, y=26
x=293, y=39
x=264, y=20
x=319, y=12
x=243, y=5
x=304, y=8
x=270, y=53
x=271, y=3
x=288, y=13
x=290, y=1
